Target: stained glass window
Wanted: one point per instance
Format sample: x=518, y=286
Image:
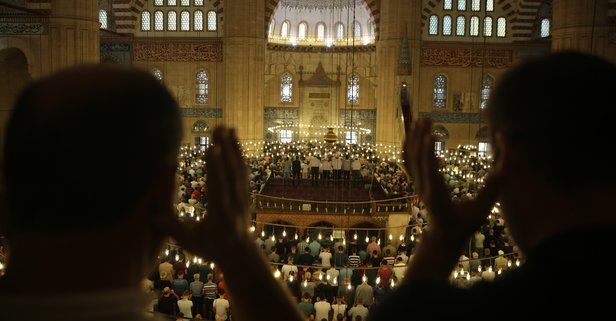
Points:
x=272, y=25
x=440, y=92
x=483, y=148
x=172, y=2
x=447, y=4
x=145, y=21
x=202, y=87
x=462, y=5
x=356, y=30
x=302, y=29
x=198, y=2
x=486, y=87
x=433, y=28
x=185, y=3
x=321, y=32
x=501, y=27
x=185, y=21
x=353, y=89
x=211, y=21
x=489, y=5
x=487, y=26
x=461, y=26
x=102, y=18
x=476, y=5
x=158, y=21
x=439, y=147
x=198, y=21
x=158, y=74
x=286, y=88
x=340, y=31
x=474, y=26
x=447, y=25
x=545, y=28
x=286, y=136
x=351, y=138
x=172, y=23
x=158, y=2
x=284, y=30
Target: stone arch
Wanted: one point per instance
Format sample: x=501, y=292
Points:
x=435, y=7
x=482, y=134
x=440, y=132
x=24, y=47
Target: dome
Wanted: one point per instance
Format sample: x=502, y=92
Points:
x=322, y=23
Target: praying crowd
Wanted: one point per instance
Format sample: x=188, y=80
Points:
x=329, y=278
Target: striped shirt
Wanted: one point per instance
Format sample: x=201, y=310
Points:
x=209, y=290
x=354, y=260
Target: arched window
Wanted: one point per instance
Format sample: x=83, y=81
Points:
x=302, y=30
x=486, y=87
x=286, y=88
x=172, y=2
x=272, y=25
x=202, y=83
x=474, y=26
x=185, y=21
x=447, y=4
x=102, y=18
x=476, y=5
x=440, y=92
x=320, y=32
x=212, y=23
x=339, y=31
x=356, y=30
x=462, y=5
x=284, y=30
x=158, y=74
x=433, y=28
x=172, y=21
x=159, y=2
x=353, y=89
x=545, y=28
x=489, y=5
x=184, y=3
x=487, y=26
x=159, y=23
x=198, y=21
x=441, y=134
x=370, y=27
x=285, y=136
x=501, y=27
x=198, y=2
x=461, y=26
x=447, y=25
x=145, y=21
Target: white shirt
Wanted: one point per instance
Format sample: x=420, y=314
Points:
x=322, y=309
x=315, y=162
x=337, y=164
x=326, y=258
x=356, y=165
x=221, y=305
x=327, y=166
x=358, y=310
x=185, y=307
x=399, y=271
x=487, y=275
x=286, y=269
x=338, y=309
x=333, y=274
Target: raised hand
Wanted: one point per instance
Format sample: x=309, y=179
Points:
x=455, y=220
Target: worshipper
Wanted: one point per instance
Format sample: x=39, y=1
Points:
x=273, y=256
x=306, y=307
x=322, y=309
x=385, y=272
x=297, y=171
x=288, y=167
x=326, y=257
x=336, y=167
x=196, y=293
x=315, y=248
x=354, y=259
x=340, y=257
x=315, y=165
x=288, y=268
x=374, y=246
x=166, y=268
x=389, y=257
x=307, y=258
x=185, y=305
x=339, y=306
x=179, y=285
x=101, y=103
x=221, y=307
x=500, y=262
x=399, y=268
x=545, y=203
x=210, y=293
x=364, y=293
x=162, y=283
x=167, y=303
x=346, y=167
x=359, y=311
x=347, y=291
x=326, y=169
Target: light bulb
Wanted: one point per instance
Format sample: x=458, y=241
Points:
x=291, y=278
x=367, y=240
x=320, y=277
x=277, y=273
x=262, y=233
x=392, y=283
x=455, y=274
x=349, y=286
x=273, y=238
x=401, y=238
x=296, y=236
x=212, y=265
x=479, y=269
x=177, y=257
x=517, y=262
x=200, y=260
x=167, y=252
x=307, y=239
x=378, y=280
x=412, y=238
x=500, y=271
x=284, y=233
x=335, y=281
x=252, y=228
x=320, y=236
x=364, y=278
x=195, y=259
x=305, y=283
x=327, y=277
x=391, y=237
x=355, y=236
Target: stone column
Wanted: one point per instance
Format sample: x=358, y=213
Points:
x=244, y=67
x=397, y=18
x=582, y=26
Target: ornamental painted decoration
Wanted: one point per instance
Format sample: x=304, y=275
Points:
x=34, y=28
x=466, y=57
x=177, y=51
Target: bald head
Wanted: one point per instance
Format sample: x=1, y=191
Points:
x=87, y=143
